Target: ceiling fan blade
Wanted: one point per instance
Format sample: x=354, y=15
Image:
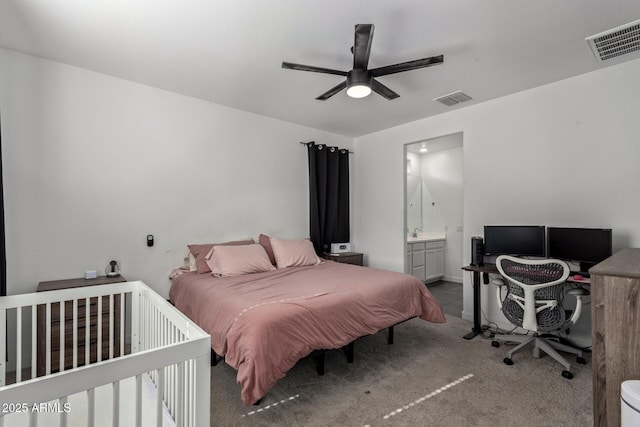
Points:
x=328, y=94
x=407, y=66
x=300, y=67
x=362, y=46
x=382, y=90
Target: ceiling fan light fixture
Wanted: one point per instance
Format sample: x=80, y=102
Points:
x=359, y=91
x=358, y=83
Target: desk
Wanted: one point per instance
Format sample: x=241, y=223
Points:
x=476, y=270
x=492, y=269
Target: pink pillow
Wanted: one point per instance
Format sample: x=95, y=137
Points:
x=236, y=260
x=265, y=241
x=292, y=253
x=200, y=252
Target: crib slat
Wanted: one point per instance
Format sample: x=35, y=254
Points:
x=75, y=333
x=87, y=331
x=99, y=343
x=111, y=331
x=91, y=407
x=138, y=400
x=179, y=388
x=122, y=307
x=188, y=416
x=160, y=386
x=135, y=322
x=48, y=338
x=18, y=344
x=34, y=341
x=62, y=330
x=116, y=404
x=63, y=414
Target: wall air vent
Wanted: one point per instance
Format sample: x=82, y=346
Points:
x=453, y=98
x=616, y=42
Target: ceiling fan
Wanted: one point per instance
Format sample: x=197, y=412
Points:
x=360, y=80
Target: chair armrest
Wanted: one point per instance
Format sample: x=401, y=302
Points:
x=578, y=292
x=498, y=281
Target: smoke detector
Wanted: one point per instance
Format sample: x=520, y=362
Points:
x=453, y=98
x=615, y=42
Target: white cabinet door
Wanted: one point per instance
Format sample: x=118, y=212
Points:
x=417, y=260
x=434, y=254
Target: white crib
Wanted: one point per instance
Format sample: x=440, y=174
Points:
x=149, y=343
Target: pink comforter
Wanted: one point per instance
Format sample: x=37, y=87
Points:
x=263, y=323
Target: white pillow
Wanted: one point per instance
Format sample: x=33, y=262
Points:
x=189, y=261
x=292, y=253
x=236, y=260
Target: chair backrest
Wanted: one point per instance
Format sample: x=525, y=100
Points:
x=534, y=297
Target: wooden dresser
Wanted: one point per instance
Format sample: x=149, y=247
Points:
x=81, y=330
x=615, y=331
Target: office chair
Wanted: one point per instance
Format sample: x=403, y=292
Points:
x=534, y=301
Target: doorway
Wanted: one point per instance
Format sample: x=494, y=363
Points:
x=433, y=207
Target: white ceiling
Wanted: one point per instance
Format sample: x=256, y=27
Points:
x=230, y=52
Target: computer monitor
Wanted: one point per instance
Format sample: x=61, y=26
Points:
x=587, y=246
x=517, y=240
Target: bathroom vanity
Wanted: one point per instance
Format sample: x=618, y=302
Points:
x=425, y=256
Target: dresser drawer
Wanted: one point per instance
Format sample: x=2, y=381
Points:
x=419, y=246
x=95, y=341
x=355, y=258
x=438, y=244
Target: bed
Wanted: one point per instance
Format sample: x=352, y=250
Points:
x=160, y=377
x=264, y=322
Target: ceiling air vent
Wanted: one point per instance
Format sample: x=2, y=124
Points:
x=453, y=98
x=616, y=42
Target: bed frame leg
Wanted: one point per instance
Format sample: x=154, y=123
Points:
x=348, y=350
x=318, y=356
x=214, y=358
x=390, y=336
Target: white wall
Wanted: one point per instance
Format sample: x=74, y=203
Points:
x=92, y=164
x=563, y=154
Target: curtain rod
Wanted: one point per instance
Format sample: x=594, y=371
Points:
x=313, y=142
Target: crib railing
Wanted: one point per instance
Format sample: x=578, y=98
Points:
x=143, y=334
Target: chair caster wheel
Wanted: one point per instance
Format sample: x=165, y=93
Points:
x=568, y=375
x=507, y=361
x=581, y=360
x=495, y=344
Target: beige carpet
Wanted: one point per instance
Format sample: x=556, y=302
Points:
x=429, y=377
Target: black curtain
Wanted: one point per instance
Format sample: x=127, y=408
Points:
x=3, y=257
x=328, y=195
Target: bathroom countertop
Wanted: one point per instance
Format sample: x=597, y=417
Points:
x=427, y=237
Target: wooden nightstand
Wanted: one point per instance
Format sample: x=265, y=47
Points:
x=355, y=258
x=93, y=325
